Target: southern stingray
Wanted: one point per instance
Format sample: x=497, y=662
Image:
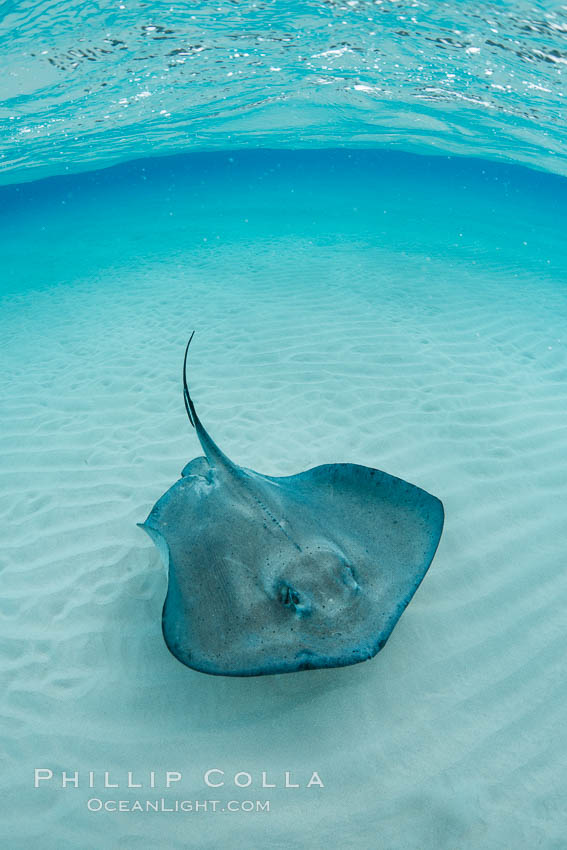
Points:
x=274, y=575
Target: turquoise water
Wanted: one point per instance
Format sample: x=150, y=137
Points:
x=392, y=310
x=336, y=197
x=89, y=84
x=138, y=213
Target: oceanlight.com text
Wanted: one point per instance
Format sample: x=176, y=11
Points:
x=95, y=804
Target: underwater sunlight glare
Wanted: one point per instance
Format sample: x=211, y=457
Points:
x=88, y=84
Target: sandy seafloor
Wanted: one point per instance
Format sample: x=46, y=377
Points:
x=401, y=312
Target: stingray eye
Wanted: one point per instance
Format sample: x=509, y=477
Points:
x=292, y=599
x=348, y=577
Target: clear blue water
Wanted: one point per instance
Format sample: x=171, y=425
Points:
x=134, y=214
x=361, y=208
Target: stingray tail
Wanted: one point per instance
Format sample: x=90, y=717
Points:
x=189, y=406
x=212, y=451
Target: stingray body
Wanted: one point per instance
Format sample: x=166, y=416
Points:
x=275, y=575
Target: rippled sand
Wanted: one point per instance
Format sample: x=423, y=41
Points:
x=447, y=372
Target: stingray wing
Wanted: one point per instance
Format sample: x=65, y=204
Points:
x=389, y=530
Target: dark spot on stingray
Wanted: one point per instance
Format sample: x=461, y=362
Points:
x=280, y=574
